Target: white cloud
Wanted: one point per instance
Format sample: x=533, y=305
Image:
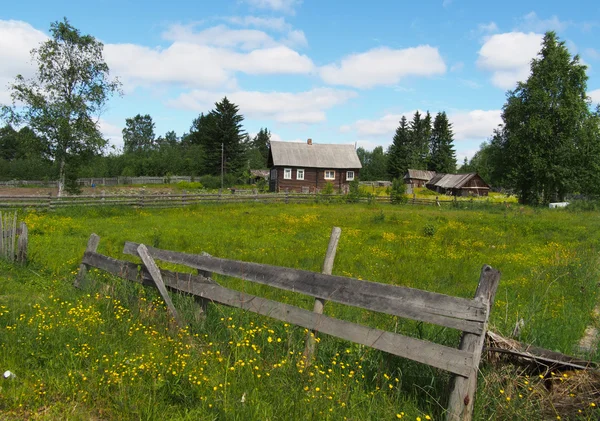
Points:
x=457, y=67
x=487, y=28
x=476, y=124
x=446, y=3
x=595, y=95
x=17, y=39
x=532, y=23
x=384, y=66
x=278, y=138
x=508, y=56
x=592, y=53
x=199, y=65
x=276, y=24
x=283, y=107
x=112, y=133
x=285, y=6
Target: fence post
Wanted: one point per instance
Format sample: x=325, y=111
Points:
x=309, y=348
x=462, y=389
x=203, y=301
x=287, y=198
x=92, y=246
x=414, y=198
x=23, y=243
x=50, y=201
x=184, y=198
x=437, y=200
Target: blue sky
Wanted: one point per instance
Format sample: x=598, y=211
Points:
x=336, y=72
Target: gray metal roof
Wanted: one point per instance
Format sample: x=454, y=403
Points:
x=420, y=175
x=296, y=154
x=451, y=181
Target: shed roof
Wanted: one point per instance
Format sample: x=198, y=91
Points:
x=296, y=154
x=452, y=181
x=419, y=175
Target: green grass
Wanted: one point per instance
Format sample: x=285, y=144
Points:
x=110, y=352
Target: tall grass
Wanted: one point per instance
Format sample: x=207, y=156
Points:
x=111, y=353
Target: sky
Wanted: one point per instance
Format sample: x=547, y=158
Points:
x=332, y=71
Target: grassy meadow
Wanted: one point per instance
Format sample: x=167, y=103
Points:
x=110, y=352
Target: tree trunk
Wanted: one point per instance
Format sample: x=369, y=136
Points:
x=61, y=178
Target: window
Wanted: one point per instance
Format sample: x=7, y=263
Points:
x=287, y=173
x=350, y=175
x=300, y=174
x=329, y=175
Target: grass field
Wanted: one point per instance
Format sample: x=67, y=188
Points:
x=110, y=352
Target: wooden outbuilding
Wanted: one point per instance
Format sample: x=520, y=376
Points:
x=308, y=167
x=470, y=184
x=418, y=178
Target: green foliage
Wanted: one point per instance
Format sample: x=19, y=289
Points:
x=354, y=193
x=546, y=124
x=258, y=152
x=374, y=164
x=62, y=101
x=429, y=230
x=401, y=152
x=328, y=189
x=442, y=157
x=138, y=134
x=189, y=185
x=398, y=191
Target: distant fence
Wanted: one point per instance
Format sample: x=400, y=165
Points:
x=144, y=200
x=469, y=316
x=13, y=238
x=100, y=181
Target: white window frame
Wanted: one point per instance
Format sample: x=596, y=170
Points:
x=348, y=178
x=287, y=173
x=298, y=172
x=329, y=171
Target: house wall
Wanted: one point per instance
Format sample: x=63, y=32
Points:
x=475, y=187
x=314, y=180
x=416, y=182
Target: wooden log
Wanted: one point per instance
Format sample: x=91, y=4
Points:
x=92, y=246
x=462, y=388
x=439, y=356
x=155, y=272
x=453, y=312
x=319, y=305
x=23, y=244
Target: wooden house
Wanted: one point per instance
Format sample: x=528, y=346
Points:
x=418, y=178
x=308, y=167
x=470, y=184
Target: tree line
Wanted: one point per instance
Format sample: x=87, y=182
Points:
x=420, y=144
x=58, y=136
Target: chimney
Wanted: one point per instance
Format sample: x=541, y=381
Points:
x=309, y=141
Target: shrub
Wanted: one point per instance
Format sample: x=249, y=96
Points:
x=397, y=192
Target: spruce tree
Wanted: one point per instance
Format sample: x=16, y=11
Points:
x=401, y=154
x=442, y=157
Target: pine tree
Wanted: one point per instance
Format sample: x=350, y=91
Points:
x=226, y=133
x=420, y=132
x=442, y=157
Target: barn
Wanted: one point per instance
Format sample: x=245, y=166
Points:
x=308, y=167
x=470, y=184
x=418, y=178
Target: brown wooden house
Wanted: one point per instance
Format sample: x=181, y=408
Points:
x=307, y=167
x=470, y=184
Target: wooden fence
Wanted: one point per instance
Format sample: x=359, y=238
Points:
x=100, y=181
x=469, y=316
x=13, y=238
x=187, y=199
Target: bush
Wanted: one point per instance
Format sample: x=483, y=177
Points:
x=398, y=191
x=354, y=194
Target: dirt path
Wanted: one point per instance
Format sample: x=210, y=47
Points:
x=589, y=343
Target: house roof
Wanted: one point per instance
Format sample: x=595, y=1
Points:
x=296, y=154
x=419, y=175
x=452, y=181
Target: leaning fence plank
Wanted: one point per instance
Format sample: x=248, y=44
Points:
x=334, y=238
x=439, y=356
x=454, y=312
x=155, y=272
x=23, y=244
x=13, y=239
x=2, y=235
x=92, y=245
x=462, y=392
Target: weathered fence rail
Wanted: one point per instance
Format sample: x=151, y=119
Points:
x=188, y=199
x=469, y=316
x=13, y=238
